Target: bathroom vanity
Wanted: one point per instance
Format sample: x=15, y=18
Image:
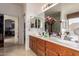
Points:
x=52, y=47
x=57, y=21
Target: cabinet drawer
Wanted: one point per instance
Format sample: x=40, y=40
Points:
x=66, y=52
x=41, y=42
x=32, y=44
x=51, y=53
x=61, y=50
x=41, y=48
x=75, y=53
x=40, y=52
x=53, y=46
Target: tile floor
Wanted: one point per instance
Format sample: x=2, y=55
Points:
x=12, y=49
x=16, y=50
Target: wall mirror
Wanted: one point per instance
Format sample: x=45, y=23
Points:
x=53, y=23
x=37, y=21
x=53, y=20
x=73, y=19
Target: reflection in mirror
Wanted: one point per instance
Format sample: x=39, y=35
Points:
x=53, y=23
x=35, y=22
x=73, y=23
x=9, y=28
x=74, y=28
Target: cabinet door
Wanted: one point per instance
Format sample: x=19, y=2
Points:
x=52, y=49
x=60, y=50
x=51, y=52
x=30, y=42
x=65, y=51
x=40, y=52
x=40, y=47
x=75, y=53
x=34, y=44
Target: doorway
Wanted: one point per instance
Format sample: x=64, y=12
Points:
x=1, y=30
x=10, y=31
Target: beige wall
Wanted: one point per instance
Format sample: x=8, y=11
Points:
x=32, y=9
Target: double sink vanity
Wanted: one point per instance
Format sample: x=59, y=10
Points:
x=53, y=46
x=56, y=31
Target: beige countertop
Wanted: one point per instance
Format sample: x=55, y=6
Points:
x=59, y=41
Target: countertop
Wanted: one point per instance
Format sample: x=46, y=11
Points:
x=59, y=41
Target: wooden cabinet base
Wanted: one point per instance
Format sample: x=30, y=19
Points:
x=45, y=48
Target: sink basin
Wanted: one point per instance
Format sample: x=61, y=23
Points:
x=70, y=43
x=66, y=42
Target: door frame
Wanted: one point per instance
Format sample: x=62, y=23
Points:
x=11, y=17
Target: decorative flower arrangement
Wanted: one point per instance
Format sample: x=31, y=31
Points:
x=51, y=20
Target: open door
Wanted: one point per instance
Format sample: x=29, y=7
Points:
x=10, y=29
x=1, y=31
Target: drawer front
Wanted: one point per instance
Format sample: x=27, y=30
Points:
x=66, y=52
x=40, y=52
x=32, y=44
x=62, y=51
x=41, y=42
x=51, y=53
x=53, y=46
x=41, y=48
x=75, y=53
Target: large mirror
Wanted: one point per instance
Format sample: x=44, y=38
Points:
x=53, y=21
x=65, y=20
x=70, y=21
x=73, y=19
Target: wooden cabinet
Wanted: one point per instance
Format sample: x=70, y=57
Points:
x=37, y=46
x=42, y=48
x=58, y=50
x=51, y=49
x=51, y=52
x=32, y=44
x=75, y=53
x=65, y=51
